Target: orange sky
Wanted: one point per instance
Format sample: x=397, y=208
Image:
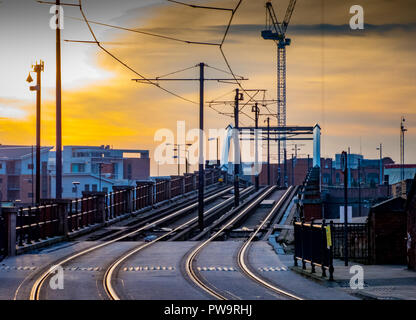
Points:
x=356, y=84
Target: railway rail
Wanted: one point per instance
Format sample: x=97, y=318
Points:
x=48, y=271
x=193, y=273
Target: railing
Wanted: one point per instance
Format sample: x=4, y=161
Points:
x=313, y=246
x=142, y=197
x=176, y=187
x=36, y=223
x=81, y=213
x=61, y=217
x=358, y=241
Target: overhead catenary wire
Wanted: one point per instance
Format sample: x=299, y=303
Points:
x=146, y=33
x=147, y=80
x=125, y=64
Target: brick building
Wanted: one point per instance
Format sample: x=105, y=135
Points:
x=411, y=226
x=367, y=171
x=99, y=168
x=18, y=172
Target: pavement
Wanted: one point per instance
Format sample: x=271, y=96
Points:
x=381, y=282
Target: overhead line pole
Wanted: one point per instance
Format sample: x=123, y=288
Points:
x=201, y=148
x=236, y=151
x=58, y=184
x=201, y=173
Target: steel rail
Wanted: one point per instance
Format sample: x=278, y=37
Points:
x=36, y=288
x=191, y=257
x=243, y=252
x=107, y=280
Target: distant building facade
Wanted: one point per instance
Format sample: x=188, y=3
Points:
x=99, y=168
x=367, y=171
x=18, y=173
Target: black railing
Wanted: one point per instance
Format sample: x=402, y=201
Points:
x=36, y=223
x=311, y=246
x=358, y=241
x=55, y=218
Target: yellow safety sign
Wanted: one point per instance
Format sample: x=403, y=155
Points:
x=328, y=236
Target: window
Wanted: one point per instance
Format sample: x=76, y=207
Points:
x=87, y=187
x=30, y=195
x=94, y=187
x=78, y=167
x=30, y=166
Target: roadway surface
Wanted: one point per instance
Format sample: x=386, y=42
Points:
x=157, y=273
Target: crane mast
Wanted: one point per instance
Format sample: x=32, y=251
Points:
x=277, y=31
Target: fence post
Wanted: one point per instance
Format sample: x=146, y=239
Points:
x=168, y=186
x=296, y=242
x=100, y=214
x=10, y=215
x=312, y=245
x=331, y=266
x=63, y=216
x=324, y=247
x=302, y=244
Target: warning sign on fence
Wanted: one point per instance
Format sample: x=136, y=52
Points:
x=328, y=236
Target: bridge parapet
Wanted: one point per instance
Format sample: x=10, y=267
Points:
x=310, y=202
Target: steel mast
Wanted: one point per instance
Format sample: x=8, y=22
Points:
x=277, y=31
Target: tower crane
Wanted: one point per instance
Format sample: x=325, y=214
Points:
x=277, y=31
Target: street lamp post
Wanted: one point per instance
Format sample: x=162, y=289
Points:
x=38, y=68
x=218, y=159
x=381, y=163
x=344, y=167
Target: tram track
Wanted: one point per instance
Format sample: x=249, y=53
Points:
x=112, y=269
x=241, y=260
x=49, y=270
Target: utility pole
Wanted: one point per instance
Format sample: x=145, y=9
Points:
x=33, y=193
x=201, y=175
x=359, y=187
x=293, y=168
x=201, y=148
x=236, y=139
x=256, y=111
x=99, y=178
x=285, y=168
x=58, y=104
x=38, y=68
x=402, y=132
x=268, y=151
x=381, y=164
x=344, y=166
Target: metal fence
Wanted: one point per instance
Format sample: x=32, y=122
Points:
x=36, y=223
x=358, y=241
x=81, y=213
x=311, y=246
x=58, y=217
